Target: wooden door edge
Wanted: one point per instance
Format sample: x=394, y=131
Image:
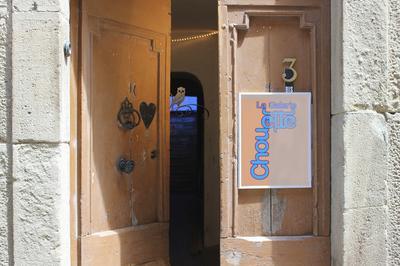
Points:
x=75, y=25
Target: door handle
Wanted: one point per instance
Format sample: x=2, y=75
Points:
x=125, y=166
x=128, y=117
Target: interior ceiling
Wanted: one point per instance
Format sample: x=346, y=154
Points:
x=194, y=15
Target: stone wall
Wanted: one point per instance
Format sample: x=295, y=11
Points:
x=5, y=134
x=393, y=227
x=393, y=182
x=34, y=133
x=365, y=132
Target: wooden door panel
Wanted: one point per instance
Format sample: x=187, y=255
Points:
x=275, y=226
x=124, y=216
x=109, y=188
x=259, y=56
x=295, y=251
x=129, y=246
x=262, y=47
x=153, y=15
x=254, y=207
x=262, y=41
x=117, y=60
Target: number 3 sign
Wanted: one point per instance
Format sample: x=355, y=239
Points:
x=290, y=74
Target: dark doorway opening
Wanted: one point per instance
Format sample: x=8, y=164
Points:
x=187, y=171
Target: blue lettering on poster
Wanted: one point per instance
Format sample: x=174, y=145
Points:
x=279, y=116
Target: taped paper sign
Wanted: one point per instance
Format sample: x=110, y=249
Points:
x=274, y=140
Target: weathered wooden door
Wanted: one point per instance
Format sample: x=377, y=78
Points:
x=275, y=226
x=124, y=192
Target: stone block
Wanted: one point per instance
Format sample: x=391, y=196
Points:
x=40, y=77
x=394, y=147
x=358, y=237
x=394, y=190
x=394, y=55
x=42, y=6
x=5, y=70
x=358, y=199
x=364, y=240
x=41, y=204
x=359, y=56
x=393, y=230
x=337, y=189
x=337, y=160
x=359, y=159
x=4, y=204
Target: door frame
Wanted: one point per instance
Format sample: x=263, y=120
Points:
x=75, y=91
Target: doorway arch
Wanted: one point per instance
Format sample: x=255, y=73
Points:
x=187, y=171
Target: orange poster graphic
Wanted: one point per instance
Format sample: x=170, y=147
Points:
x=274, y=140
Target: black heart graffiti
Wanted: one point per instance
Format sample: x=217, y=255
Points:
x=147, y=111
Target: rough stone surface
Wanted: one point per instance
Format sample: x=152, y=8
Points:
x=5, y=96
x=363, y=52
x=40, y=115
x=394, y=191
x=40, y=77
x=365, y=144
x=337, y=104
x=41, y=196
x=357, y=167
x=364, y=240
x=365, y=76
x=337, y=189
x=359, y=175
x=41, y=6
x=5, y=73
x=4, y=205
x=394, y=55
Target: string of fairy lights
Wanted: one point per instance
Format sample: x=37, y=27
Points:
x=195, y=37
